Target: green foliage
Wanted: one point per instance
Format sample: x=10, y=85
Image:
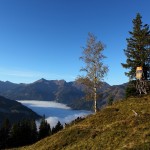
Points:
x=138, y=48
x=23, y=133
x=44, y=129
x=34, y=132
x=110, y=100
x=18, y=134
x=131, y=89
x=4, y=133
x=57, y=128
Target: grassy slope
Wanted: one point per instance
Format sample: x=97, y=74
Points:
x=113, y=128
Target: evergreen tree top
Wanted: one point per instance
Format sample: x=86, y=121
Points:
x=138, y=48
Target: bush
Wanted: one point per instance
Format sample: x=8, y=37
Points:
x=110, y=100
x=130, y=89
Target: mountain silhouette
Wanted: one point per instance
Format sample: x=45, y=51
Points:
x=70, y=93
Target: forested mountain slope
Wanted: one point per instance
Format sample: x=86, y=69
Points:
x=15, y=111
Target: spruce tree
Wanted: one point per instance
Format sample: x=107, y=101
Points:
x=34, y=133
x=57, y=128
x=15, y=135
x=4, y=134
x=44, y=129
x=138, y=49
x=22, y=133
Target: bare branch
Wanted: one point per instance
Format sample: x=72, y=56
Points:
x=94, y=68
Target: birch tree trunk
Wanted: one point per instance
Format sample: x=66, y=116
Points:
x=95, y=99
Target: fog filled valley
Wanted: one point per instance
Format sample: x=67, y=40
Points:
x=54, y=111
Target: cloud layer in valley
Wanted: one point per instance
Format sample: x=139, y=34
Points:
x=54, y=112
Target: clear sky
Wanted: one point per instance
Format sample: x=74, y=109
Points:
x=43, y=38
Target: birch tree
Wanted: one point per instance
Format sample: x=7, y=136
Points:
x=94, y=69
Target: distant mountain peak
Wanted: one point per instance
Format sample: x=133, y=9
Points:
x=8, y=82
x=59, y=82
x=41, y=80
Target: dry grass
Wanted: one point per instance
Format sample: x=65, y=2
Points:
x=116, y=127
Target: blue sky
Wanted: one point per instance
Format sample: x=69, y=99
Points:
x=43, y=38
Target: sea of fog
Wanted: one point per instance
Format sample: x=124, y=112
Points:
x=54, y=112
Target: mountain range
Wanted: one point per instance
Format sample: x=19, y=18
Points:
x=70, y=93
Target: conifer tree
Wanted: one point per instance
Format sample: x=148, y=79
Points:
x=4, y=134
x=15, y=135
x=138, y=49
x=34, y=133
x=57, y=128
x=44, y=129
x=22, y=133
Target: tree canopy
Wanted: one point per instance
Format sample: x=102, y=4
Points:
x=94, y=68
x=138, y=49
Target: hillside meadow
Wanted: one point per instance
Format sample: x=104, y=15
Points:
x=122, y=126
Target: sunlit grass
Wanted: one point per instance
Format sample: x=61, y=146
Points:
x=124, y=125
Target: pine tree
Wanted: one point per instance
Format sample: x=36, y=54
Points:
x=138, y=49
x=4, y=134
x=15, y=135
x=34, y=133
x=130, y=89
x=23, y=133
x=25, y=129
x=57, y=128
x=44, y=129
